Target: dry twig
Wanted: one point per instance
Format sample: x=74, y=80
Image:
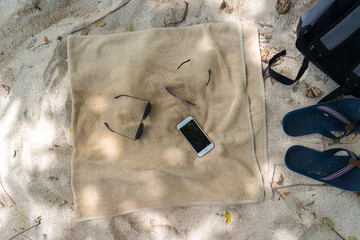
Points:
x=38, y=222
x=265, y=24
x=183, y=19
x=12, y=200
x=43, y=44
x=308, y=205
x=279, y=194
x=101, y=17
x=21, y=234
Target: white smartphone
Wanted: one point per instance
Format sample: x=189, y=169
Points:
x=195, y=136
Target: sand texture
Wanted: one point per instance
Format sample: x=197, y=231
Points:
x=35, y=117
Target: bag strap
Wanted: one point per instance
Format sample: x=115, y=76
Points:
x=352, y=80
x=281, y=78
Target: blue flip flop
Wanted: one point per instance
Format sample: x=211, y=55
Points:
x=339, y=171
x=342, y=115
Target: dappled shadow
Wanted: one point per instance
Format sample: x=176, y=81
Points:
x=35, y=122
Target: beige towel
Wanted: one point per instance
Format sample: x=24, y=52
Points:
x=114, y=175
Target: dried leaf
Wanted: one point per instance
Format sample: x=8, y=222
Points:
x=273, y=184
x=358, y=193
x=286, y=193
x=337, y=134
x=223, y=5
x=229, y=9
x=46, y=40
x=327, y=222
x=14, y=154
x=100, y=23
x=38, y=220
x=272, y=80
x=283, y=6
x=53, y=178
x=266, y=54
x=129, y=27
x=352, y=238
x=309, y=204
x=281, y=180
x=350, y=137
x=279, y=61
x=228, y=217
x=313, y=92
x=268, y=36
x=7, y=88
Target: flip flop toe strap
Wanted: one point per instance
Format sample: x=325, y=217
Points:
x=353, y=162
x=349, y=126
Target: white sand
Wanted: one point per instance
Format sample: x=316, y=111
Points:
x=35, y=124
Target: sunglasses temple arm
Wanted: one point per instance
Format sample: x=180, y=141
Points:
x=209, y=78
x=183, y=63
x=124, y=95
x=117, y=132
x=168, y=78
x=175, y=71
x=203, y=92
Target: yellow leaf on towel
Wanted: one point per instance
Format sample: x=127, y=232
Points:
x=70, y=130
x=228, y=217
x=352, y=238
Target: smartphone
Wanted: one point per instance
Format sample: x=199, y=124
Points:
x=195, y=136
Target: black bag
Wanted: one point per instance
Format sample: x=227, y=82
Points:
x=328, y=35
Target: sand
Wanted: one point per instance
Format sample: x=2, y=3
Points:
x=35, y=139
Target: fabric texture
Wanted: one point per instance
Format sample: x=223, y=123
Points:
x=113, y=175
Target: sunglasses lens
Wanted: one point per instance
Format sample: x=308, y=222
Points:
x=139, y=131
x=147, y=110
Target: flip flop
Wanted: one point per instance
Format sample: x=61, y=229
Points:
x=339, y=171
x=342, y=115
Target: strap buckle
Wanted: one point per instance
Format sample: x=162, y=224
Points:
x=349, y=85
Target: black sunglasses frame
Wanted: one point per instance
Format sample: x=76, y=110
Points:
x=141, y=125
x=183, y=100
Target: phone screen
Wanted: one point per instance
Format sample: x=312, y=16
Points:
x=195, y=136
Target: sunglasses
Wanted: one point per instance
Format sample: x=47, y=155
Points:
x=174, y=95
x=141, y=125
